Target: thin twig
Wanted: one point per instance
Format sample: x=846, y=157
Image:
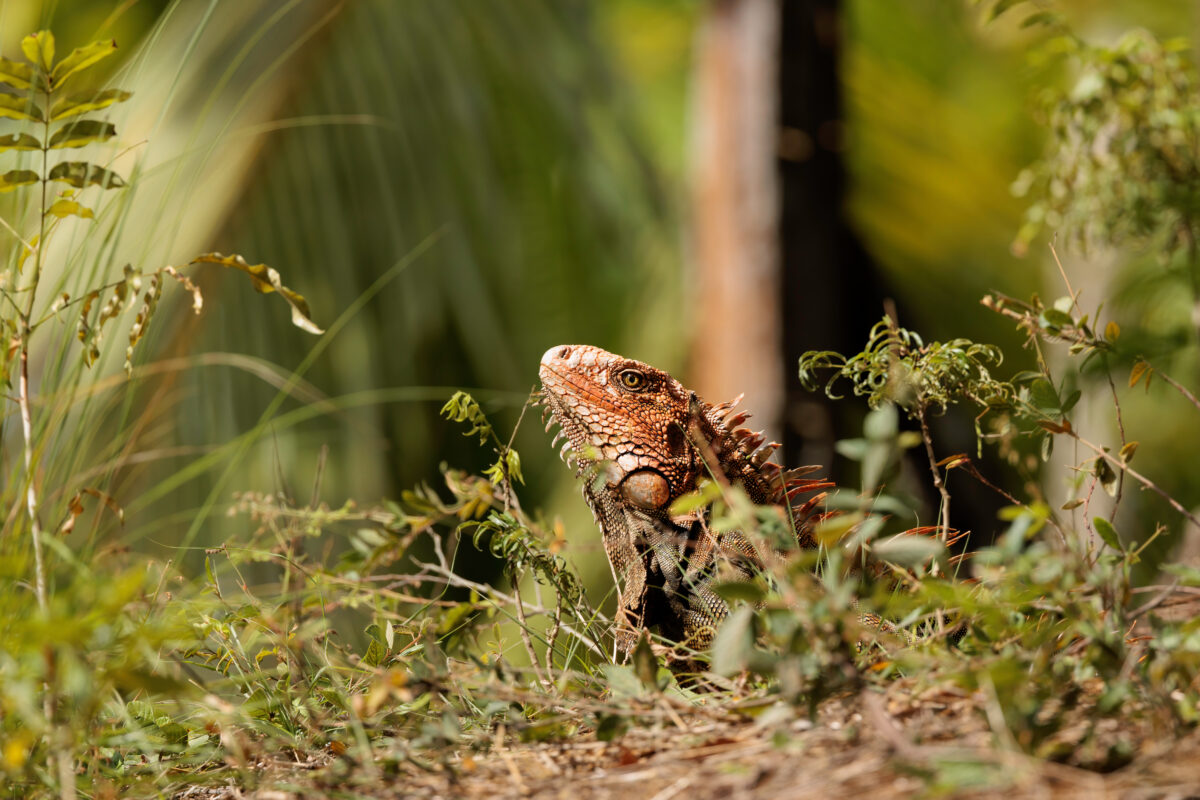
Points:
x=1139, y=477
x=1063, y=273
x=1121, y=429
x=1176, y=385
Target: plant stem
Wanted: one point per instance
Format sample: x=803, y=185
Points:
x=23, y=392
x=1139, y=477
x=938, y=480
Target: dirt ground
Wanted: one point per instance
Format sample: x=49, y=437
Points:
x=895, y=745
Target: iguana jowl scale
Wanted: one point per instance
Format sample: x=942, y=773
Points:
x=641, y=440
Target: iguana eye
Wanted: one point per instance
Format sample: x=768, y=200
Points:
x=632, y=379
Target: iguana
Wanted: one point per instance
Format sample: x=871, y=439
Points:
x=641, y=440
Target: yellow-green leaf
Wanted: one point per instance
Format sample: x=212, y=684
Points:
x=84, y=103
x=19, y=141
x=1127, y=452
x=17, y=177
x=80, y=174
x=16, y=74
x=15, y=107
x=82, y=133
x=1111, y=331
x=63, y=207
x=82, y=58
x=266, y=280
x=39, y=49
x=1135, y=374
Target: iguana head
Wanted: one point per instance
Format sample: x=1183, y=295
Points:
x=625, y=415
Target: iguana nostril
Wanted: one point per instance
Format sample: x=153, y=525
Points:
x=564, y=353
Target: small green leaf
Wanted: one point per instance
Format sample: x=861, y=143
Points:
x=19, y=141
x=1044, y=397
x=1108, y=533
x=733, y=646
x=16, y=74
x=692, y=501
x=739, y=592
x=15, y=107
x=266, y=280
x=908, y=551
x=1104, y=473
x=1054, y=319
x=82, y=104
x=39, y=49
x=63, y=207
x=81, y=58
x=81, y=174
x=1046, y=18
x=645, y=664
x=610, y=726
x=1112, y=331
x=1070, y=504
x=829, y=532
x=1127, y=452
x=375, y=654
x=17, y=177
x=82, y=133
x=999, y=8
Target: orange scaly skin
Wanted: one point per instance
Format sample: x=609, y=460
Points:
x=641, y=440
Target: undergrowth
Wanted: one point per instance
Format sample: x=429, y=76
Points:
x=347, y=638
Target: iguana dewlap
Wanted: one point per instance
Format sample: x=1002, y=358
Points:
x=641, y=440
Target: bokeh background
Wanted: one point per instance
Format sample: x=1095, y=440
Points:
x=457, y=185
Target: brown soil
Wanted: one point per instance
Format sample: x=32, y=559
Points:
x=905, y=743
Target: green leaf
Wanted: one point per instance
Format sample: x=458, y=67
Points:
x=39, y=49
x=1108, y=479
x=645, y=664
x=1108, y=533
x=266, y=280
x=63, y=207
x=610, y=726
x=1127, y=452
x=81, y=133
x=81, y=174
x=15, y=107
x=82, y=104
x=733, y=646
x=17, y=177
x=908, y=551
x=16, y=74
x=999, y=8
x=739, y=592
x=622, y=682
x=829, y=532
x=375, y=654
x=1044, y=397
x=1055, y=319
x=19, y=141
x=81, y=58
x=1111, y=331
x=1046, y=18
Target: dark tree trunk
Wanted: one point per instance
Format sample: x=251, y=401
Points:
x=832, y=292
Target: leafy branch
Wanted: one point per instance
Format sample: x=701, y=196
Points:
x=41, y=93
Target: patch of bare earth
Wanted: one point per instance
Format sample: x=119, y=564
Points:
x=897, y=744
